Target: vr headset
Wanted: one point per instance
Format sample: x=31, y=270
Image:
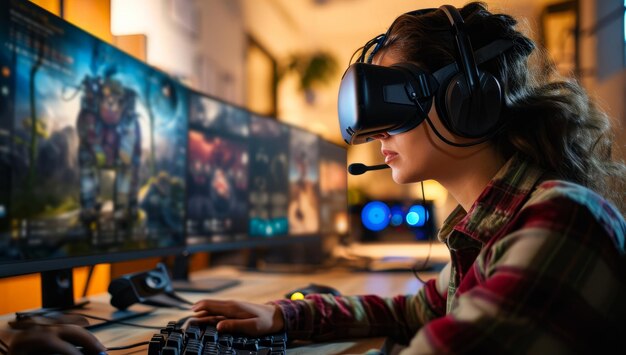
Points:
x=377, y=99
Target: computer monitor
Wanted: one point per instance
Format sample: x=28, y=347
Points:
x=304, y=202
x=92, y=152
x=238, y=185
x=333, y=189
x=269, y=178
x=217, y=172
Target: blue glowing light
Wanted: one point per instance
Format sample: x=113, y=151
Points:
x=397, y=216
x=417, y=216
x=412, y=219
x=375, y=216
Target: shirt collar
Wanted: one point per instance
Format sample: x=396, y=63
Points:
x=497, y=204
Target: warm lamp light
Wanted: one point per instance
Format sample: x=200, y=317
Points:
x=433, y=191
x=341, y=223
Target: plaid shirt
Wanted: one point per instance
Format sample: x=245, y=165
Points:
x=536, y=267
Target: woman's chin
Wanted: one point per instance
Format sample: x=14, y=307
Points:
x=400, y=177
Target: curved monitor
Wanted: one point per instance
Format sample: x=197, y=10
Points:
x=304, y=202
x=92, y=149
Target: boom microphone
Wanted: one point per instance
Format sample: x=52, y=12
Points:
x=358, y=168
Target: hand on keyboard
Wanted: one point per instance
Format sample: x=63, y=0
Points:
x=206, y=340
x=55, y=339
x=240, y=317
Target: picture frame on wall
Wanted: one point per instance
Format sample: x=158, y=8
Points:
x=261, y=79
x=560, y=32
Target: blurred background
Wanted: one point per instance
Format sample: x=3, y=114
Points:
x=285, y=58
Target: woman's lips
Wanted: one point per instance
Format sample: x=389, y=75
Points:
x=389, y=155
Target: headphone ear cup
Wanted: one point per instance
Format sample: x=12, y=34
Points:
x=492, y=101
x=466, y=113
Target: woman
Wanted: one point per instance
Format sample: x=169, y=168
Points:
x=537, y=254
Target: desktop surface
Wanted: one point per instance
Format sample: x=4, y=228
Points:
x=261, y=287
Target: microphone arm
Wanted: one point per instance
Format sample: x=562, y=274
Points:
x=358, y=168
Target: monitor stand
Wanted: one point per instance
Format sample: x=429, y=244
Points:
x=58, y=305
x=182, y=283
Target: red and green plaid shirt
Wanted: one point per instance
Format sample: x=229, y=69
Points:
x=536, y=267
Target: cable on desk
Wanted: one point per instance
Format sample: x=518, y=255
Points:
x=44, y=311
x=130, y=346
x=113, y=320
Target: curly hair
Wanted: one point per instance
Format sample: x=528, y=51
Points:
x=547, y=118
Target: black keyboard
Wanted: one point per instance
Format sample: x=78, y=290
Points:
x=205, y=340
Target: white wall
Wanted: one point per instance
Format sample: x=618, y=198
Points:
x=170, y=45
x=221, y=50
x=200, y=41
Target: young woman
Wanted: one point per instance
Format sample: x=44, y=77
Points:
x=537, y=250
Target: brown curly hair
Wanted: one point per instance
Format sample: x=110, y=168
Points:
x=546, y=118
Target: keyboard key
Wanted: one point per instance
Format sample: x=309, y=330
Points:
x=210, y=334
x=156, y=344
x=193, y=332
x=168, y=350
x=226, y=340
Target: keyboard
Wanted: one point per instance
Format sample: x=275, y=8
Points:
x=205, y=340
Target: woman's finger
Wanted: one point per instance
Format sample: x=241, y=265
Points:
x=250, y=327
x=81, y=337
x=206, y=320
x=229, y=309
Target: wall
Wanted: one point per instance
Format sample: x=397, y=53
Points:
x=221, y=48
x=604, y=70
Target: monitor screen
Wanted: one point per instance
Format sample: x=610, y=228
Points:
x=333, y=189
x=269, y=187
x=217, y=173
x=303, y=209
x=92, y=147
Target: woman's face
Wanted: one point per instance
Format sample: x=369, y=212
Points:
x=418, y=155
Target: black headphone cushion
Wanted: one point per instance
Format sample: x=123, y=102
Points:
x=466, y=113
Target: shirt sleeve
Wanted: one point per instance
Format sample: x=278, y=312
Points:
x=323, y=317
x=534, y=289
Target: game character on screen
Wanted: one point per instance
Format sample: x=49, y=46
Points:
x=162, y=201
x=109, y=140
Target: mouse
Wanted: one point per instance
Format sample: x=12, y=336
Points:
x=301, y=292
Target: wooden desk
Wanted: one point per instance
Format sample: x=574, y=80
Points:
x=261, y=287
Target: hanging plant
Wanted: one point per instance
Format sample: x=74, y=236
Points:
x=314, y=70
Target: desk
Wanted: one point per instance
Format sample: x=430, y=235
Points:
x=261, y=287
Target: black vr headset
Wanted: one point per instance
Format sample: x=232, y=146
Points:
x=376, y=99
